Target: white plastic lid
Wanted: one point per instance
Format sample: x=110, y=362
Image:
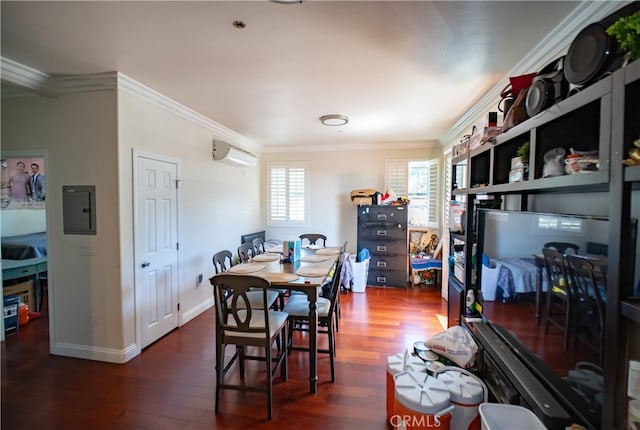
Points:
x=421, y=393
x=464, y=389
x=396, y=363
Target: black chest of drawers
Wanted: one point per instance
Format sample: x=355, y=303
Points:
x=383, y=231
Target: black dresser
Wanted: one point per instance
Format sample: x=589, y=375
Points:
x=383, y=231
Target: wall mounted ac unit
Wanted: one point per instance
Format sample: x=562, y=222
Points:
x=223, y=151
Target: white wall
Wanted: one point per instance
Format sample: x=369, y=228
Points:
x=23, y=221
x=332, y=177
x=217, y=202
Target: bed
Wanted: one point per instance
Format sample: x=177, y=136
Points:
x=513, y=276
x=24, y=246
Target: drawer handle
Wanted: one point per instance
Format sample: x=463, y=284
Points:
x=381, y=264
x=381, y=248
x=381, y=279
x=382, y=217
x=382, y=232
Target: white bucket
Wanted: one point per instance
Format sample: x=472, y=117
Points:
x=467, y=393
x=499, y=416
x=360, y=273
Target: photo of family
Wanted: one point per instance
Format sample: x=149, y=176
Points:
x=23, y=183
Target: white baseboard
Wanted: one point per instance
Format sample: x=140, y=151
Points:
x=190, y=314
x=109, y=355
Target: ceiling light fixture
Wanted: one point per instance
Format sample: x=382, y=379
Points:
x=287, y=1
x=334, y=120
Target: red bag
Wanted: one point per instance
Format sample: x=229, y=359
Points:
x=514, y=97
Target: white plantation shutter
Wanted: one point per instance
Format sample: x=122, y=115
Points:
x=432, y=196
x=396, y=173
x=418, y=180
x=287, y=193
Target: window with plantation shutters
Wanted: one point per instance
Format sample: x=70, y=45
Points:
x=286, y=193
x=418, y=181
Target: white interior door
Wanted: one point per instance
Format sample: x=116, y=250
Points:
x=156, y=227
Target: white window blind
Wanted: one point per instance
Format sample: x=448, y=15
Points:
x=287, y=193
x=418, y=181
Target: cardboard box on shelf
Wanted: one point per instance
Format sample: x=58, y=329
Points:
x=24, y=290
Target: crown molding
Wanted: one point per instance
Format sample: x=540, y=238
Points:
x=26, y=77
x=555, y=43
x=137, y=89
x=337, y=147
x=34, y=80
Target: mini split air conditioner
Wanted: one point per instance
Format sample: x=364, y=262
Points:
x=223, y=151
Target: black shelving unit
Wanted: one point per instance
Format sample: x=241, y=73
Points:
x=604, y=117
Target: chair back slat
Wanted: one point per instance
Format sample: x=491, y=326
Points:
x=222, y=261
x=246, y=252
x=313, y=238
x=234, y=313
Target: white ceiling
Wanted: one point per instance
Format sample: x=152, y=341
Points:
x=402, y=71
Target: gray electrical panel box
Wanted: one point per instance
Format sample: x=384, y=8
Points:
x=79, y=209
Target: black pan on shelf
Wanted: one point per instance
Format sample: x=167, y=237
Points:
x=591, y=53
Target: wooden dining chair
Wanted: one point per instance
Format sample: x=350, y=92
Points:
x=558, y=300
x=313, y=239
x=246, y=252
x=241, y=325
x=258, y=245
x=589, y=286
x=223, y=261
x=563, y=247
x=298, y=320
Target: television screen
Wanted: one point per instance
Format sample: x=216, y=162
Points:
x=514, y=288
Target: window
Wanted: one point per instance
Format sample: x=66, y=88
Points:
x=418, y=181
x=287, y=193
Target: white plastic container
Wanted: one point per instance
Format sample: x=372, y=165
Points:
x=396, y=364
x=360, y=272
x=499, y=416
x=421, y=402
x=467, y=393
x=633, y=383
x=490, y=277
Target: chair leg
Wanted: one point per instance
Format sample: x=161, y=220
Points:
x=284, y=369
x=567, y=326
x=219, y=374
x=269, y=382
x=241, y=358
x=332, y=350
x=547, y=313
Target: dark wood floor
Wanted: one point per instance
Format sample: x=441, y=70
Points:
x=171, y=384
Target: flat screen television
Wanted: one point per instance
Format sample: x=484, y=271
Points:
x=508, y=242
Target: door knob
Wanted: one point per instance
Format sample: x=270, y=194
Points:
x=145, y=264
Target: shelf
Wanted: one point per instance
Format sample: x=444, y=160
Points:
x=631, y=309
x=586, y=182
x=460, y=159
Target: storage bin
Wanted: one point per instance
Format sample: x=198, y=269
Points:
x=360, y=272
x=499, y=416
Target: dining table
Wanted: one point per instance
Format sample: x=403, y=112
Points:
x=306, y=275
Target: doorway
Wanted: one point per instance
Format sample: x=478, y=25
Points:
x=24, y=232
